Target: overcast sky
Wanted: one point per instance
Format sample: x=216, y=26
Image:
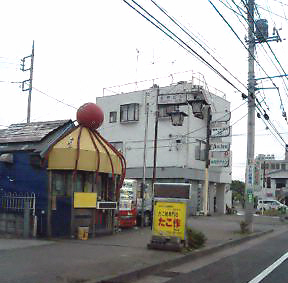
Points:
x=84, y=46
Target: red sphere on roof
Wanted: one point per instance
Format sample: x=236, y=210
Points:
x=90, y=116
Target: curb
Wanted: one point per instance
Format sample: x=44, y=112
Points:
x=133, y=275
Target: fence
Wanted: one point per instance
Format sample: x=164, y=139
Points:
x=17, y=214
x=16, y=202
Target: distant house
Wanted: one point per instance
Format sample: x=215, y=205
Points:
x=273, y=176
x=23, y=167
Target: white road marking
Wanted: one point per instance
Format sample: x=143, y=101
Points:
x=269, y=269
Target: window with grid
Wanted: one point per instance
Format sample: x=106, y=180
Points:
x=129, y=112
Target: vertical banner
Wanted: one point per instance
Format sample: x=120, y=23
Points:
x=169, y=219
x=250, y=177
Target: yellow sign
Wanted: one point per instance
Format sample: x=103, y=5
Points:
x=169, y=219
x=85, y=200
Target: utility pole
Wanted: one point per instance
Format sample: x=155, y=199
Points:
x=29, y=81
x=249, y=179
x=206, y=183
x=155, y=138
x=143, y=187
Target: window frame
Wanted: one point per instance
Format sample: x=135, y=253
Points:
x=113, y=117
x=126, y=110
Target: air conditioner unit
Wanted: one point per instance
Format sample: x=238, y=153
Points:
x=106, y=205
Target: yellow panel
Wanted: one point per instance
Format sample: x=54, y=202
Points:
x=85, y=200
x=64, y=153
x=169, y=219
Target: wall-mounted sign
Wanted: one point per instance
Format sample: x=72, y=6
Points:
x=223, y=146
x=173, y=98
x=216, y=162
x=85, y=200
x=220, y=132
x=221, y=116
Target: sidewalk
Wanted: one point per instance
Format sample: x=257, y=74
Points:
x=109, y=256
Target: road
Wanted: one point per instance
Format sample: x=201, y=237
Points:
x=239, y=264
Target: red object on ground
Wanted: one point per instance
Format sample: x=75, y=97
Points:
x=90, y=115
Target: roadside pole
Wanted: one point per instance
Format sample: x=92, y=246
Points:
x=249, y=180
x=206, y=183
x=143, y=186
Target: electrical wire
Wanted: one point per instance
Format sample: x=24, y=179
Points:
x=188, y=33
x=59, y=101
x=180, y=42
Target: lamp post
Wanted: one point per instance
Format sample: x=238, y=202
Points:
x=177, y=117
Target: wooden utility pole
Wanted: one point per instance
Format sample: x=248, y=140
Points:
x=29, y=81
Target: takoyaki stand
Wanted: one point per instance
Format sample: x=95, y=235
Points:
x=85, y=176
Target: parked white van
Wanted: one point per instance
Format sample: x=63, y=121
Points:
x=267, y=204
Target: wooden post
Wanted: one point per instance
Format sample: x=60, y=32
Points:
x=49, y=229
x=72, y=207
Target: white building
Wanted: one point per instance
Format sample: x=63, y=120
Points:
x=180, y=149
x=272, y=175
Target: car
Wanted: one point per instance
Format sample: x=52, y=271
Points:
x=267, y=204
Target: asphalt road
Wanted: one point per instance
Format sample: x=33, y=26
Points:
x=239, y=265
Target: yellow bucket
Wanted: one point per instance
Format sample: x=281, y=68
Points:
x=83, y=233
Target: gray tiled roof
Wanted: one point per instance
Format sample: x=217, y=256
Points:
x=30, y=132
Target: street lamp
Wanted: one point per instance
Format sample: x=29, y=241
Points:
x=177, y=117
x=197, y=106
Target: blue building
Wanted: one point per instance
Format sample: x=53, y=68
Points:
x=23, y=168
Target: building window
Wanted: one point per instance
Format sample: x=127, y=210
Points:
x=268, y=180
x=283, y=166
x=113, y=117
x=273, y=166
x=200, y=150
x=164, y=110
x=129, y=112
x=277, y=166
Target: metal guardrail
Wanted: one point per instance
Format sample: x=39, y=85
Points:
x=18, y=201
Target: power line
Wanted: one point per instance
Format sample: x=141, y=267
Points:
x=179, y=41
x=188, y=33
x=59, y=101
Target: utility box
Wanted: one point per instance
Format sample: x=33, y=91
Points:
x=170, y=212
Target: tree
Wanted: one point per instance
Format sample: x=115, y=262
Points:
x=238, y=189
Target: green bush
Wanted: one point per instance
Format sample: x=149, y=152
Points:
x=195, y=239
x=244, y=227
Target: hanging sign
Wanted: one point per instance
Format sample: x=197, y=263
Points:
x=220, y=132
x=217, y=162
x=223, y=146
x=221, y=116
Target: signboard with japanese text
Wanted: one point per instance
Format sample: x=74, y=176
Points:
x=220, y=132
x=216, y=162
x=224, y=146
x=257, y=176
x=169, y=219
x=172, y=98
